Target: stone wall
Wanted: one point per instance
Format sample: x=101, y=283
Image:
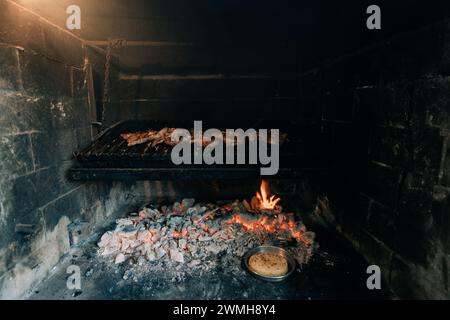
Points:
x=44, y=118
x=387, y=109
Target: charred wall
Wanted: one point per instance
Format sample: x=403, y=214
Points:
x=387, y=109
x=44, y=118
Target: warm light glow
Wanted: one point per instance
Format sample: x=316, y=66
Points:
x=265, y=204
x=264, y=200
x=179, y=234
x=272, y=224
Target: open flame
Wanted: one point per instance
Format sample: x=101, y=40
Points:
x=264, y=201
x=269, y=217
x=196, y=230
x=263, y=214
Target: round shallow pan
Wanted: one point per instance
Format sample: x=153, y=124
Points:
x=277, y=250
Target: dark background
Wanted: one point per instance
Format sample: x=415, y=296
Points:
x=317, y=29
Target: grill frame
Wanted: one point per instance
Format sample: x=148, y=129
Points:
x=108, y=158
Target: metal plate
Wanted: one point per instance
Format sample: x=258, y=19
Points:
x=261, y=249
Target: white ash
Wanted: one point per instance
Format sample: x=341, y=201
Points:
x=188, y=238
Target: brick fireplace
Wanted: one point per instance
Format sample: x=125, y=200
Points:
x=371, y=175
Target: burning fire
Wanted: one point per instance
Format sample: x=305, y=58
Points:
x=193, y=230
x=273, y=224
x=264, y=201
x=267, y=216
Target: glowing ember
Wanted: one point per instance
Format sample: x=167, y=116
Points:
x=179, y=234
x=272, y=225
x=279, y=223
x=189, y=233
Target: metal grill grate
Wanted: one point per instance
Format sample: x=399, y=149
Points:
x=109, y=157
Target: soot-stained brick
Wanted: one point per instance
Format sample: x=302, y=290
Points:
x=381, y=223
x=432, y=101
x=27, y=193
x=395, y=105
x=43, y=75
x=15, y=155
x=23, y=113
x=383, y=184
x=9, y=75
x=68, y=205
x=52, y=149
x=389, y=145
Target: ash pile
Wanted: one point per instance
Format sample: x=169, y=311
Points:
x=193, y=238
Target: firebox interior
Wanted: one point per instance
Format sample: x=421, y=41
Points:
x=365, y=166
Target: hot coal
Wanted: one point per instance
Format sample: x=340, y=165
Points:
x=194, y=238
